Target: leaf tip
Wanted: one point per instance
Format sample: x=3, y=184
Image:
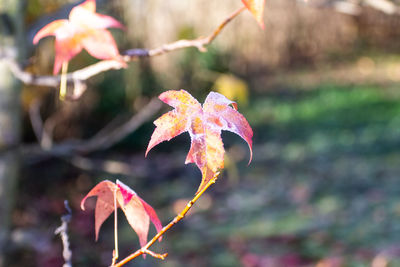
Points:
x=250, y=144
x=262, y=25
x=83, y=204
x=251, y=156
x=96, y=238
x=35, y=40
x=256, y=7
x=147, y=152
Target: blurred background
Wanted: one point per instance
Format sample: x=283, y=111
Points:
x=319, y=86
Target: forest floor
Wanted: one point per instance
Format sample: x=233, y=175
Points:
x=323, y=188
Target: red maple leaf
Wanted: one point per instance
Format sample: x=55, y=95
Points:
x=137, y=211
x=84, y=29
x=204, y=124
x=256, y=7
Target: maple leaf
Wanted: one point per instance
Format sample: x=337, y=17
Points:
x=256, y=7
x=204, y=124
x=84, y=29
x=137, y=211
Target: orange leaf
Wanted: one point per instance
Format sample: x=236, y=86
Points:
x=256, y=7
x=137, y=211
x=204, y=124
x=84, y=29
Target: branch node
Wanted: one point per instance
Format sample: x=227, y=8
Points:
x=153, y=254
x=115, y=257
x=202, y=48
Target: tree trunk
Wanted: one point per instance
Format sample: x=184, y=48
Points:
x=11, y=34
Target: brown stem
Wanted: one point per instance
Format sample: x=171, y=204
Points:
x=78, y=77
x=180, y=216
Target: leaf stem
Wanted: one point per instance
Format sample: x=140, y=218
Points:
x=115, y=252
x=63, y=82
x=179, y=217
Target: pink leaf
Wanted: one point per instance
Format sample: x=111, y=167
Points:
x=126, y=191
x=84, y=29
x=204, y=125
x=85, y=15
x=105, y=202
x=100, y=44
x=136, y=210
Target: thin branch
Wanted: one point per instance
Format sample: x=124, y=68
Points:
x=78, y=78
x=199, y=43
x=46, y=142
x=179, y=217
x=155, y=255
x=108, y=138
x=63, y=232
x=95, y=165
x=354, y=7
x=384, y=6
x=105, y=140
